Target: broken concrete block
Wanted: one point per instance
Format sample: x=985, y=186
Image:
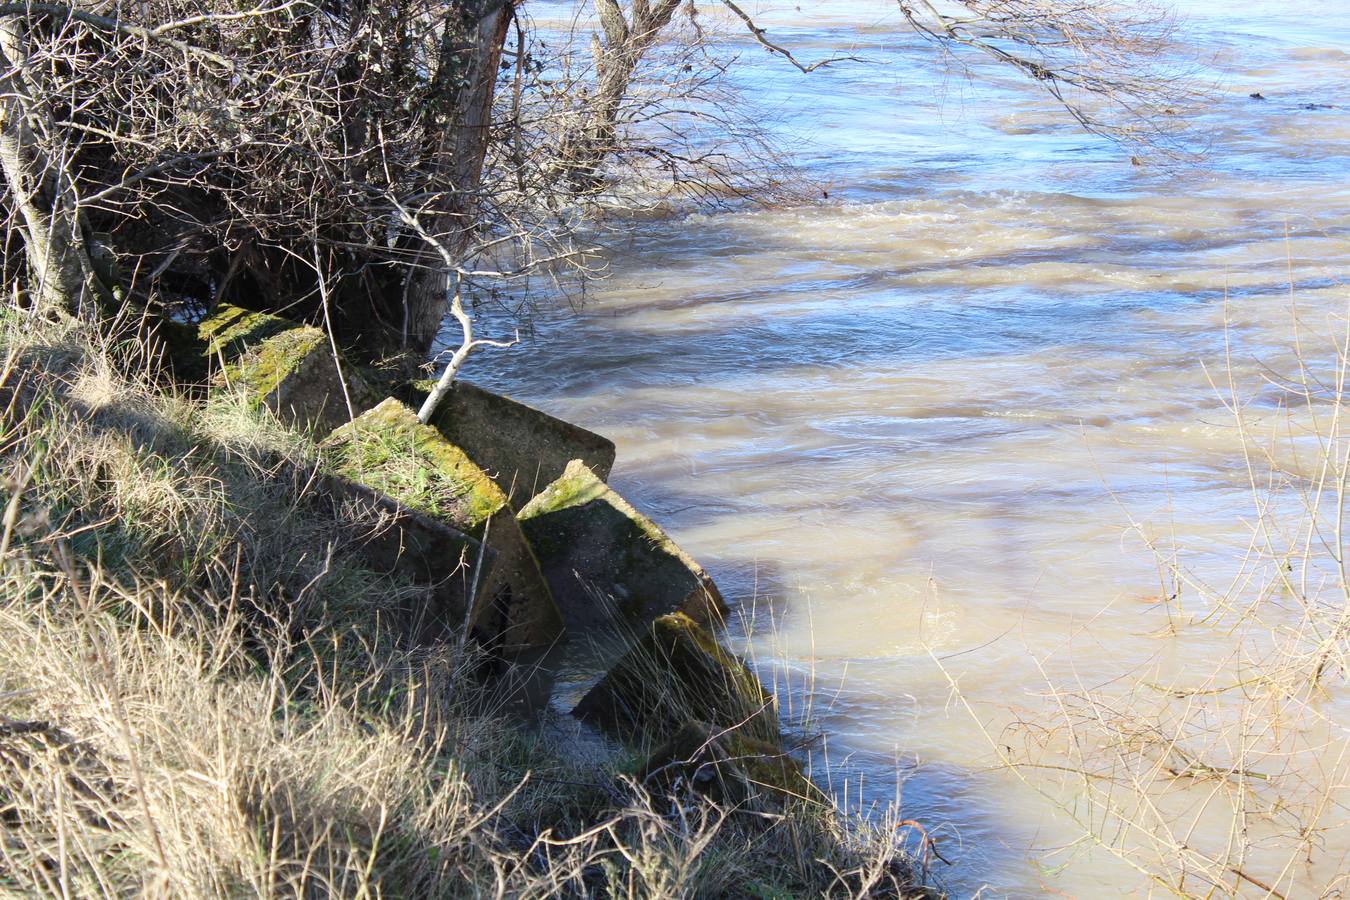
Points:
x=608, y=564
x=283, y=365
x=676, y=673
x=521, y=448
x=396, y=539
x=387, y=449
x=729, y=768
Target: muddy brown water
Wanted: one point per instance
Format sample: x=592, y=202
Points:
x=920, y=431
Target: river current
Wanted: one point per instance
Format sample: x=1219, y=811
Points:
x=919, y=431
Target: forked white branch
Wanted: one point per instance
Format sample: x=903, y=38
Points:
x=454, y=292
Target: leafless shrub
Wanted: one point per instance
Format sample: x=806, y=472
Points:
x=250, y=153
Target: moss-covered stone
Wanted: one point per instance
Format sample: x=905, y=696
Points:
x=282, y=365
x=728, y=767
x=387, y=449
x=399, y=540
x=521, y=448
x=607, y=563
x=675, y=673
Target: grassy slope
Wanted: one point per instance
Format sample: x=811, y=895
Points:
x=203, y=693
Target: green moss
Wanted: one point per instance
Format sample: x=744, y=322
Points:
x=589, y=539
x=259, y=351
x=767, y=765
x=262, y=370
x=677, y=628
x=415, y=392
x=230, y=330
x=677, y=672
x=387, y=449
x=745, y=766
x=577, y=486
x=713, y=674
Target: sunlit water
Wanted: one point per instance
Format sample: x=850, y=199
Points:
x=909, y=426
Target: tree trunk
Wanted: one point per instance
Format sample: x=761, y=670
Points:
x=585, y=148
x=62, y=274
x=410, y=316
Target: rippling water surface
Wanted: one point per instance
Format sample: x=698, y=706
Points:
x=907, y=428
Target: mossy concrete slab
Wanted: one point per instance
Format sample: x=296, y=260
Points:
x=609, y=565
x=729, y=768
x=387, y=449
x=521, y=448
x=283, y=365
x=396, y=539
x=675, y=673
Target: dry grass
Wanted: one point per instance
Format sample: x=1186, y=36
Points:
x=204, y=694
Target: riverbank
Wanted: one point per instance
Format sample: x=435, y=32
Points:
x=207, y=689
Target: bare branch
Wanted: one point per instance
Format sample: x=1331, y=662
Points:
x=1092, y=58
x=759, y=35
x=456, y=303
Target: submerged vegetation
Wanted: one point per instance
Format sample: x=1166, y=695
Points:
x=1220, y=767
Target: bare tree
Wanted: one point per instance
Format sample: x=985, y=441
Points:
x=1114, y=66
x=216, y=146
x=261, y=154
x=627, y=37
x=628, y=33
x=466, y=75
x=55, y=237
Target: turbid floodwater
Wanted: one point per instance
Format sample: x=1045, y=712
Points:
x=919, y=431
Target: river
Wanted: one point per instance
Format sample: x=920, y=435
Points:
x=917, y=431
